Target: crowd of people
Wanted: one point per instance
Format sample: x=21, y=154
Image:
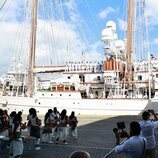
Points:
x=57, y=127
x=141, y=141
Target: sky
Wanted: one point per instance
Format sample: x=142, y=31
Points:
x=77, y=27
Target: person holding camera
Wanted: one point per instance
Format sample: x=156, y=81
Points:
x=134, y=146
x=148, y=131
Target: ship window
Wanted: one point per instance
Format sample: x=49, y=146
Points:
x=4, y=105
x=51, y=94
x=53, y=88
x=68, y=77
x=69, y=95
x=42, y=94
x=139, y=77
x=60, y=94
x=98, y=77
x=84, y=95
x=66, y=88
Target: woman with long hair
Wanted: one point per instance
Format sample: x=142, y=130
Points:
x=62, y=127
x=35, y=128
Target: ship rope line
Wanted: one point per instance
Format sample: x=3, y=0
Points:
x=48, y=38
x=6, y=9
x=137, y=39
x=80, y=25
x=76, y=22
x=48, y=34
x=140, y=36
x=140, y=28
x=149, y=51
x=45, y=34
x=66, y=42
x=17, y=47
x=21, y=47
x=142, y=41
x=3, y=5
x=61, y=15
x=124, y=15
x=91, y=14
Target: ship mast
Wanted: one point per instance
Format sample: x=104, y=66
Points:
x=129, y=39
x=32, y=48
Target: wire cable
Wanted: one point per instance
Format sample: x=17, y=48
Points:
x=3, y=5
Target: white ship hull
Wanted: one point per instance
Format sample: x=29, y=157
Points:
x=80, y=106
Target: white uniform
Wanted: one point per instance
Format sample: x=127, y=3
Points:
x=62, y=129
x=147, y=131
x=134, y=147
x=18, y=146
x=53, y=119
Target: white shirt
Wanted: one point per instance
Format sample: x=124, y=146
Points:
x=147, y=131
x=133, y=147
x=53, y=116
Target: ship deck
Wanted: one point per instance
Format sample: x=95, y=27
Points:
x=95, y=135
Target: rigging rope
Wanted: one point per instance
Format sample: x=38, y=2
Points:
x=91, y=14
x=61, y=16
x=51, y=34
x=6, y=10
x=3, y=5
x=77, y=21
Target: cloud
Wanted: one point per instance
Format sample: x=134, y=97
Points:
x=104, y=13
x=155, y=41
x=11, y=10
x=7, y=36
x=152, y=12
x=63, y=41
x=66, y=44
x=122, y=24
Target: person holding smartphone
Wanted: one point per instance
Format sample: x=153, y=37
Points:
x=148, y=131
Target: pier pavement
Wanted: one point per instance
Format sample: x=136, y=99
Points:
x=95, y=135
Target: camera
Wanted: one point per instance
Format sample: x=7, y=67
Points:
x=150, y=111
x=120, y=128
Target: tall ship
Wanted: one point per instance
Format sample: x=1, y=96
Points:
x=121, y=84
